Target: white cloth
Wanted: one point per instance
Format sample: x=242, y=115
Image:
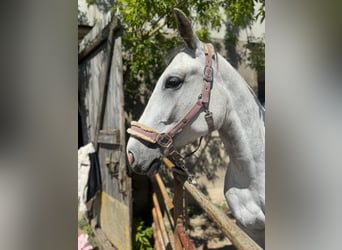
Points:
x=83, y=174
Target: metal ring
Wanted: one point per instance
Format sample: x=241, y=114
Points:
x=164, y=140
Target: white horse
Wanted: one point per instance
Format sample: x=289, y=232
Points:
x=236, y=114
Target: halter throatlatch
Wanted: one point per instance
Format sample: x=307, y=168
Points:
x=165, y=140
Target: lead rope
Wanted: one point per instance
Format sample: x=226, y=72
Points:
x=178, y=168
x=182, y=169
x=195, y=150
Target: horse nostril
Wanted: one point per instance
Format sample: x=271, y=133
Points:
x=130, y=157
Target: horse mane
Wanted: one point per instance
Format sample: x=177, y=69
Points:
x=182, y=48
x=261, y=107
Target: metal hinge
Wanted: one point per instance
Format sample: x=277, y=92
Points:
x=113, y=166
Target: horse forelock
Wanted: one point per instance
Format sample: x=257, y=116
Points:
x=173, y=53
x=182, y=48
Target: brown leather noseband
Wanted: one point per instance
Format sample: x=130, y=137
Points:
x=165, y=140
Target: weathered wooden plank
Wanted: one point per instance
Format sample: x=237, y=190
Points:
x=104, y=83
x=101, y=239
x=166, y=197
x=109, y=136
x=158, y=239
x=97, y=35
x=115, y=114
x=113, y=218
x=82, y=31
x=182, y=235
x=160, y=221
x=168, y=222
x=176, y=239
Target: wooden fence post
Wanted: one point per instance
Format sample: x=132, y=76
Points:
x=178, y=209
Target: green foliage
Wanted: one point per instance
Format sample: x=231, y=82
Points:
x=86, y=228
x=231, y=39
x=204, y=35
x=223, y=206
x=142, y=235
x=261, y=11
x=256, y=55
x=90, y=2
x=240, y=14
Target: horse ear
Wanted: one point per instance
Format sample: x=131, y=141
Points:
x=185, y=29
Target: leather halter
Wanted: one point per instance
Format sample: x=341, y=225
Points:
x=165, y=140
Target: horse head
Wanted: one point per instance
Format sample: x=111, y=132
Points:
x=178, y=90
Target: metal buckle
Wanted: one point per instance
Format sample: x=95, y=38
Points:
x=208, y=73
x=164, y=140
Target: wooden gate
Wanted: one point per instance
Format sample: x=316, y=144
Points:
x=102, y=120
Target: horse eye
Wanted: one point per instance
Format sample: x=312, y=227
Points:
x=173, y=83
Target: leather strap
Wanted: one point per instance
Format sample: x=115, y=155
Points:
x=185, y=120
x=142, y=131
x=210, y=121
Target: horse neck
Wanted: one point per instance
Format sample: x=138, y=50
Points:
x=243, y=130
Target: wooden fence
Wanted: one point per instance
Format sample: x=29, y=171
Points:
x=168, y=219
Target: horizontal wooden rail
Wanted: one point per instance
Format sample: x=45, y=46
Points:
x=239, y=238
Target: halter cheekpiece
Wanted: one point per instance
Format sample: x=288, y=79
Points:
x=165, y=140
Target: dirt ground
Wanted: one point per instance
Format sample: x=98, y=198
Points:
x=206, y=235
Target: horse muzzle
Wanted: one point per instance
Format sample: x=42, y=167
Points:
x=143, y=160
